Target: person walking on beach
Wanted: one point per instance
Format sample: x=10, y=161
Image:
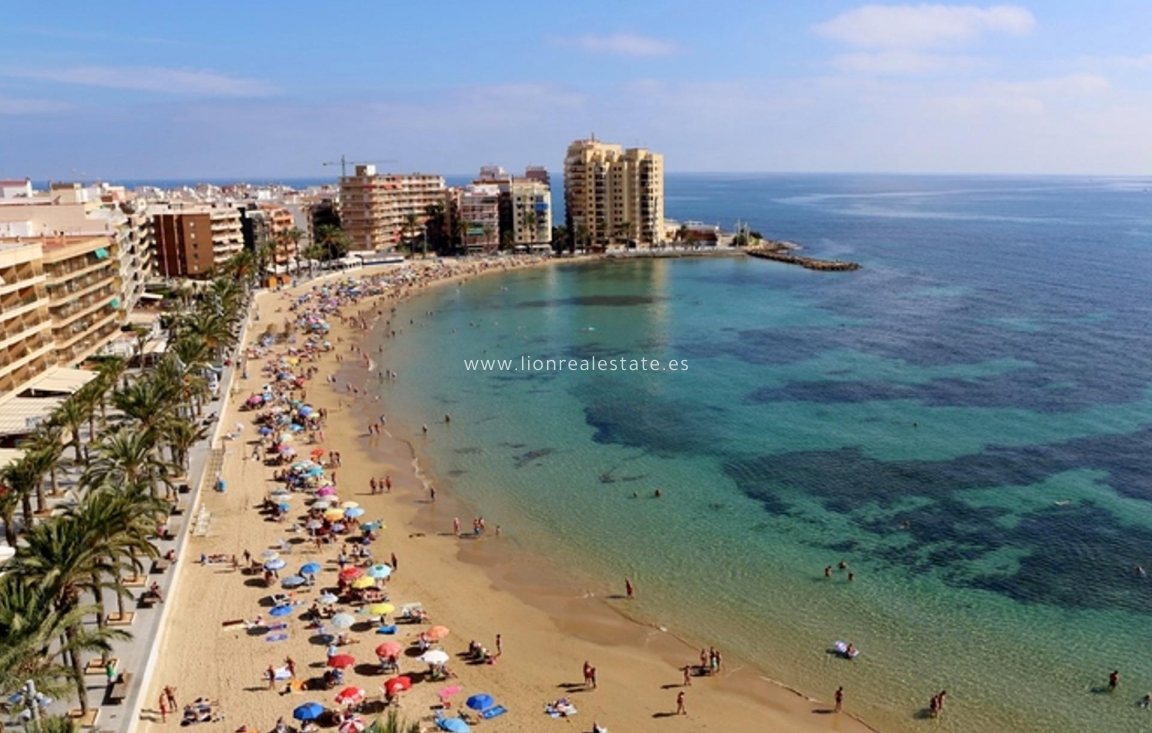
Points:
x=456, y=526
x=680, y=709
x=432, y=494
x=394, y=563
x=499, y=645
x=388, y=484
x=629, y=589
x=163, y=708
x=170, y=696
x=687, y=670
x=372, y=484
x=839, y=698
x=290, y=663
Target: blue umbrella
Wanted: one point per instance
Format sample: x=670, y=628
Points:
x=453, y=725
x=293, y=581
x=296, y=428
x=310, y=568
x=354, y=512
x=371, y=526
x=305, y=411
x=317, y=471
x=281, y=611
x=284, y=507
x=308, y=711
x=480, y=702
x=265, y=430
x=379, y=571
x=275, y=564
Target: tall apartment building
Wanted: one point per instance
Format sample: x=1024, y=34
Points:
x=191, y=241
x=480, y=214
x=70, y=209
x=530, y=211
x=25, y=326
x=614, y=195
x=375, y=207
x=84, y=295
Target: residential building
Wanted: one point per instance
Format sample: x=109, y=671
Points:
x=538, y=173
x=281, y=221
x=84, y=294
x=25, y=325
x=378, y=209
x=191, y=241
x=255, y=227
x=531, y=211
x=613, y=197
x=480, y=214
x=16, y=189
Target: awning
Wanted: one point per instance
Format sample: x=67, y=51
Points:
x=156, y=347
x=60, y=381
x=21, y=415
x=115, y=303
x=151, y=296
x=10, y=455
x=101, y=254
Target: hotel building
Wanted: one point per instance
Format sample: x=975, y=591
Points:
x=191, y=241
x=614, y=196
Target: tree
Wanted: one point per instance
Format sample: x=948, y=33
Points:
x=683, y=234
x=71, y=416
x=332, y=241
x=559, y=238
x=411, y=225
x=181, y=434
x=531, y=220
x=129, y=458
x=47, y=440
x=583, y=237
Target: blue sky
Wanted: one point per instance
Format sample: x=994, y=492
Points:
x=122, y=90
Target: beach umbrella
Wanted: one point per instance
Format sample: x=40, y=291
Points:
x=305, y=411
x=389, y=649
x=322, y=504
x=281, y=494
x=481, y=701
x=354, y=512
x=353, y=725
x=338, y=527
x=396, y=684
x=269, y=554
x=317, y=452
x=314, y=524
x=380, y=571
x=334, y=514
x=350, y=695
x=275, y=564
x=318, y=471
x=380, y=609
x=265, y=430
x=341, y=661
x=372, y=526
x=284, y=507
x=310, y=568
x=448, y=692
x=327, y=599
x=293, y=581
x=436, y=633
x=349, y=505
x=363, y=583
x=343, y=620
x=350, y=573
x=281, y=611
x=453, y=725
x=308, y=711
x=435, y=656
x=325, y=491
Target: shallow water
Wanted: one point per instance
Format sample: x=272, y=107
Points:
x=966, y=421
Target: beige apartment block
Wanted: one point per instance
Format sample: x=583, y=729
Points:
x=531, y=209
x=480, y=214
x=25, y=324
x=84, y=295
x=376, y=208
x=614, y=197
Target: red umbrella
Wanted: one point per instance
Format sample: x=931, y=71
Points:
x=340, y=661
x=388, y=649
x=397, y=684
x=350, y=573
x=317, y=451
x=436, y=633
x=350, y=696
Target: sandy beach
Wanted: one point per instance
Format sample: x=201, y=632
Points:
x=478, y=588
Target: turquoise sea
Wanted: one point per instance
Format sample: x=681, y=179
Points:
x=966, y=421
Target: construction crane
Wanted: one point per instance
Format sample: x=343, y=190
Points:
x=344, y=162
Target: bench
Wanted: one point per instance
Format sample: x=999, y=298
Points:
x=159, y=565
x=119, y=688
x=147, y=599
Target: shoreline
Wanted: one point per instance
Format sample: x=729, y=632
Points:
x=548, y=628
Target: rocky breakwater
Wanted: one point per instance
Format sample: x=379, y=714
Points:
x=785, y=252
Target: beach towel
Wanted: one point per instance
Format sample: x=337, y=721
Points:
x=386, y=629
x=276, y=637
x=277, y=627
x=563, y=711
x=495, y=712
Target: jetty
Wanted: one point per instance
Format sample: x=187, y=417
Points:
x=784, y=252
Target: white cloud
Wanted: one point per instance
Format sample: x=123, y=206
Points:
x=1032, y=97
x=900, y=62
x=14, y=106
x=924, y=26
x=623, y=44
x=150, y=79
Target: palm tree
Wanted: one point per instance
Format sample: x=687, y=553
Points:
x=71, y=416
x=31, y=625
x=23, y=478
x=147, y=401
x=181, y=434
x=108, y=376
x=47, y=440
x=530, y=222
x=683, y=233
x=65, y=558
x=412, y=224
x=130, y=458
x=583, y=236
x=333, y=242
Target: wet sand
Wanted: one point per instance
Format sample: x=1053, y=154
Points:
x=478, y=588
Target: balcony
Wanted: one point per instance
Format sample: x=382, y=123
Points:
x=69, y=312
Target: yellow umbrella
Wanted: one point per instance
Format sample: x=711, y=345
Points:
x=350, y=505
x=334, y=514
x=362, y=583
x=379, y=609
